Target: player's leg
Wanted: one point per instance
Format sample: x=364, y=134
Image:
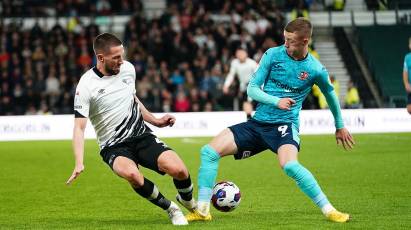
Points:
x=221, y=145
x=287, y=156
x=127, y=169
x=409, y=103
x=170, y=163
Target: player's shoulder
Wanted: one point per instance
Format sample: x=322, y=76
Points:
x=316, y=66
x=275, y=50
x=87, y=77
x=315, y=63
x=408, y=56
x=127, y=66
x=235, y=61
x=87, y=80
x=272, y=54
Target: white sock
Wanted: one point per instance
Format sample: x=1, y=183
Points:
x=327, y=208
x=203, y=207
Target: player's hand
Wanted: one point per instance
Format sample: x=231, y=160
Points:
x=285, y=103
x=344, y=137
x=166, y=120
x=225, y=89
x=76, y=172
x=408, y=88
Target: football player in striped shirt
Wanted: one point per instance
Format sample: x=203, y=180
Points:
x=105, y=95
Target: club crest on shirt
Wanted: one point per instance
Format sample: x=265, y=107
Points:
x=303, y=76
x=127, y=81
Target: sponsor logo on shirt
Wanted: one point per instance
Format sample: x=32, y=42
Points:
x=286, y=87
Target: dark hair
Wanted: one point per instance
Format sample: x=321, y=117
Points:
x=103, y=42
x=301, y=26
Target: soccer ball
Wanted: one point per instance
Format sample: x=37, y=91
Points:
x=226, y=196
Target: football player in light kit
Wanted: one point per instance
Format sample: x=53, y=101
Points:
x=283, y=79
x=243, y=67
x=406, y=76
x=106, y=95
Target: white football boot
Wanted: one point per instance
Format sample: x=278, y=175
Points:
x=176, y=215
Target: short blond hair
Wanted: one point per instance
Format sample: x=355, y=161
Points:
x=300, y=26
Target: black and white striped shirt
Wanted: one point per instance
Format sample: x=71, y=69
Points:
x=108, y=101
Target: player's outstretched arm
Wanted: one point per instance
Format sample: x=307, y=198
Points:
x=78, y=147
x=342, y=135
x=229, y=79
x=166, y=120
x=324, y=83
x=344, y=138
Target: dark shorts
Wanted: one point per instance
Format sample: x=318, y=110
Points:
x=143, y=150
x=252, y=137
x=409, y=99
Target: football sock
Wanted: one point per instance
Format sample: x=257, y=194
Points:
x=307, y=183
x=151, y=193
x=207, y=173
x=184, y=188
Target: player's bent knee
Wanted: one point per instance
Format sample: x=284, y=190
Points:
x=179, y=173
x=409, y=109
x=133, y=177
x=209, y=154
x=291, y=167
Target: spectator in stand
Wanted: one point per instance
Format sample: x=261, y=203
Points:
x=352, y=98
x=322, y=103
x=339, y=5
x=194, y=37
x=336, y=84
x=84, y=59
x=300, y=9
x=182, y=103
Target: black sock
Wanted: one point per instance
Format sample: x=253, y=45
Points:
x=151, y=193
x=184, y=188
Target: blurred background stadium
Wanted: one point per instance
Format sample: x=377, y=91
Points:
x=182, y=50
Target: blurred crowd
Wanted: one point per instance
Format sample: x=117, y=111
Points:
x=30, y=8
x=181, y=58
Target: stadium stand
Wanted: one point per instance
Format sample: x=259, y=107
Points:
x=385, y=53
x=353, y=68
x=181, y=49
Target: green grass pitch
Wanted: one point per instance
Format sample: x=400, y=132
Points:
x=371, y=182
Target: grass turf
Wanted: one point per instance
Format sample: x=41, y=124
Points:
x=371, y=182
